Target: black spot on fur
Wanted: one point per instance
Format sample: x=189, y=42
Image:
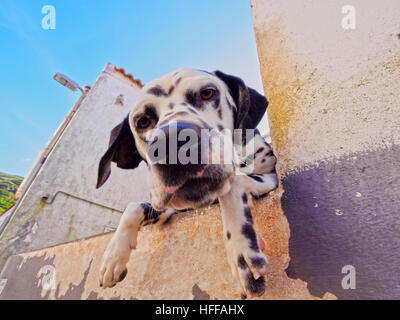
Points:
x=255, y=177
x=247, y=214
x=259, y=150
x=255, y=195
x=171, y=89
x=250, y=234
x=123, y=275
x=171, y=106
x=220, y=114
x=177, y=81
x=241, y=262
x=249, y=160
x=146, y=209
x=216, y=104
x=150, y=110
x=191, y=98
x=157, y=91
x=228, y=235
x=256, y=287
x=258, y=262
x=244, y=197
x=220, y=128
x=170, y=218
x=150, y=215
x=269, y=154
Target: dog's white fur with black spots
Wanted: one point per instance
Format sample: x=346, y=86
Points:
x=199, y=100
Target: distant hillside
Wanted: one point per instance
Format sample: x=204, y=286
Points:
x=8, y=187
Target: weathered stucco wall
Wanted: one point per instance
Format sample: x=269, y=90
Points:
x=335, y=125
x=185, y=259
x=75, y=209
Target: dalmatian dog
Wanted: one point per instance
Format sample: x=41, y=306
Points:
x=194, y=101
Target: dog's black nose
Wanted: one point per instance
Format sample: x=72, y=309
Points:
x=176, y=143
x=174, y=151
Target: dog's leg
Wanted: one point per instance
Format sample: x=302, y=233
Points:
x=113, y=267
x=258, y=175
x=257, y=156
x=258, y=184
x=244, y=246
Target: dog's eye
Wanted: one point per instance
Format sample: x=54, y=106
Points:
x=207, y=94
x=143, y=123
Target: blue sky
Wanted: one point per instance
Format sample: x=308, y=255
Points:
x=147, y=38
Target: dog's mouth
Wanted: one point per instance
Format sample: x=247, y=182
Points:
x=191, y=185
x=189, y=188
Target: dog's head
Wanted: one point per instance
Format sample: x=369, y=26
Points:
x=182, y=103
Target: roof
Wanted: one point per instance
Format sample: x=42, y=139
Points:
x=138, y=82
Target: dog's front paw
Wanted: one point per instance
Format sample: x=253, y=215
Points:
x=113, y=266
x=248, y=262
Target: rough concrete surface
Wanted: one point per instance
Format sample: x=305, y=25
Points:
x=183, y=260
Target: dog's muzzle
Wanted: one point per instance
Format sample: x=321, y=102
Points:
x=177, y=143
x=179, y=157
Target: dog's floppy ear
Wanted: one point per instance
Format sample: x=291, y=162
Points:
x=121, y=150
x=251, y=105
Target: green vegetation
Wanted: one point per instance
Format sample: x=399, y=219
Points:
x=8, y=187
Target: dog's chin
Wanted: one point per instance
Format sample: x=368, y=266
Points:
x=194, y=192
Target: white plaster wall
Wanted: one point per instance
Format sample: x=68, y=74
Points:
x=71, y=168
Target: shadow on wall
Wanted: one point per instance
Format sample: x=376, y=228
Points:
x=37, y=274
x=342, y=214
